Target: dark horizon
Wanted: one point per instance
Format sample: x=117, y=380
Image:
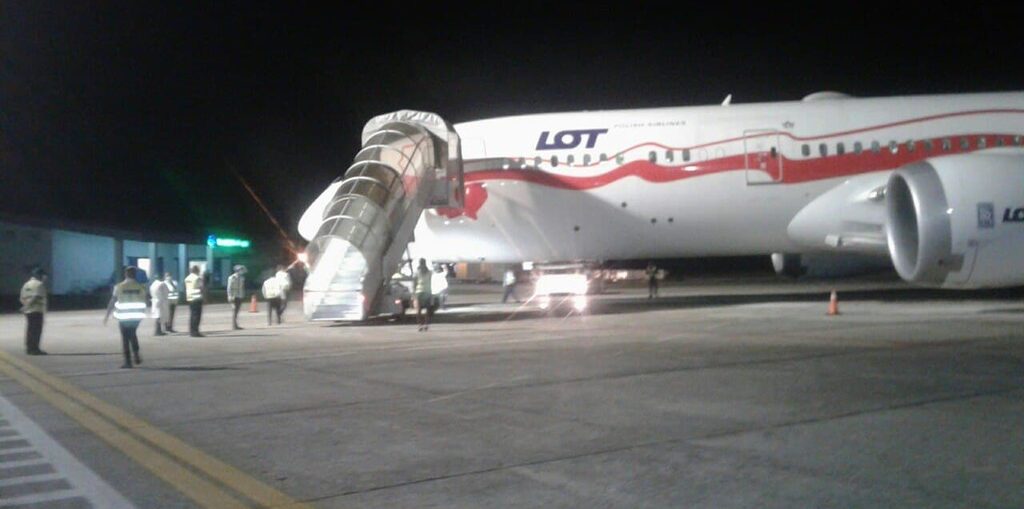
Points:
x=115, y=115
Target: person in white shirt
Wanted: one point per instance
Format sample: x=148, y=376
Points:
x=286, y=285
x=272, y=293
x=510, y=286
x=161, y=307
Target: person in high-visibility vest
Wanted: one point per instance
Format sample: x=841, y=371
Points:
x=194, y=296
x=236, y=292
x=33, y=305
x=172, y=301
x=129, y=306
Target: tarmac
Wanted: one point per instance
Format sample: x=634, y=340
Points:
x=720, y=393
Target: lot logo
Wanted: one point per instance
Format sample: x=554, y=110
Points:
x=986, y=216
x=569, y=139
x=1014, y=216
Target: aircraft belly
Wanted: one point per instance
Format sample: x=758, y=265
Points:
x=714, y=215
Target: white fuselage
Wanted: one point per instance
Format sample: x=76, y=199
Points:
x=692, y=181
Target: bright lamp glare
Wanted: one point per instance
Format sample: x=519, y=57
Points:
x=579, y=302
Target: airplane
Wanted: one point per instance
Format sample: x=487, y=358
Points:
x=933, y=183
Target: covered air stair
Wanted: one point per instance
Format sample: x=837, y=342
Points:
x=409, y=161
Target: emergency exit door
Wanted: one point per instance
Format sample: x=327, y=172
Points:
x=762, y=156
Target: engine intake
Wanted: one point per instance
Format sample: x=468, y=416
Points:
x=920, y=234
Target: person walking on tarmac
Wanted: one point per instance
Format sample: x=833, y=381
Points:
x=423, y=295
x=652, y=280
x=510, y=286
x=129, y=306
x=159, y=311
x=236, y=293
x=172, y=301
x=272, y=292
x=33, y=305
x=194, y=290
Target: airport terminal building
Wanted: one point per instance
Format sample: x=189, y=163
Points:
x=86, y=260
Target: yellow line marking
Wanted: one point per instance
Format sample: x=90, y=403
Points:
x=230, y=476
x=201, y=491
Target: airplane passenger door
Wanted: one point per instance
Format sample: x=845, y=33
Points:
x=762, y=156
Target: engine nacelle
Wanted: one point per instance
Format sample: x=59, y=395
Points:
x=953, y=222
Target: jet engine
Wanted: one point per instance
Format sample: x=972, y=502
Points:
x=958, y=222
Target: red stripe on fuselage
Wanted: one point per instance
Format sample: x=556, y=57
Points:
x=793, y=171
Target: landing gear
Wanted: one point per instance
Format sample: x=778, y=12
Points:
x=788, y=264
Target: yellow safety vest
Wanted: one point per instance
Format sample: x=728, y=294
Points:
x=130, y=305
x=172, y=291
x=193, y=288
x=33, y=297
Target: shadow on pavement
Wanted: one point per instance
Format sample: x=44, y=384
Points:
x=193, y=368
x=611, y=304
x=83, y=354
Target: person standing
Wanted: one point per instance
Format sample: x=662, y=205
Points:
x=652, y=280
x=129, y=306
x=272, y=293
x=236, y=293
x=172, y=301
x=33, y=305
x=423, y=295
x=439, y=286
x=509, y=282
x=285, y=281
x=194, y=290
x=160, y=310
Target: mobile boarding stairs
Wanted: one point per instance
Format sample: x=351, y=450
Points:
x=409, y=161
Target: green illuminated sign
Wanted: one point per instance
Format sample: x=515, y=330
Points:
x=215, y=241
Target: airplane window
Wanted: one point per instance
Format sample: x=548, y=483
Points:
x=522, y=163
x=586, y=159
x=947, y=144
x=1016, y=140
x=875, y=146
x=536, y=162
x=911, y=145
x=604, y=157
x=894, y=147
x=686, y=153
x=858, y=147
x=805, y=150
x=1000, y=142
x=652, y=156
x=965, y=144
x=504, y=164
x=554, y=161
x=840, y=149
x=982, y=142
x=619, y=159
x=928, y=145
x=669, y=156
x=569, y=160
x=774, y=152
x=823, y=149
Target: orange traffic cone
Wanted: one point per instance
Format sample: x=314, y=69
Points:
x=252, y=305
x=833, y=304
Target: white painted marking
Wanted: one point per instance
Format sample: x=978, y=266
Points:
x=14, y=481
x=85, y=482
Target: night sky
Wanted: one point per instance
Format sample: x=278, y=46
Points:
x=137, y=116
